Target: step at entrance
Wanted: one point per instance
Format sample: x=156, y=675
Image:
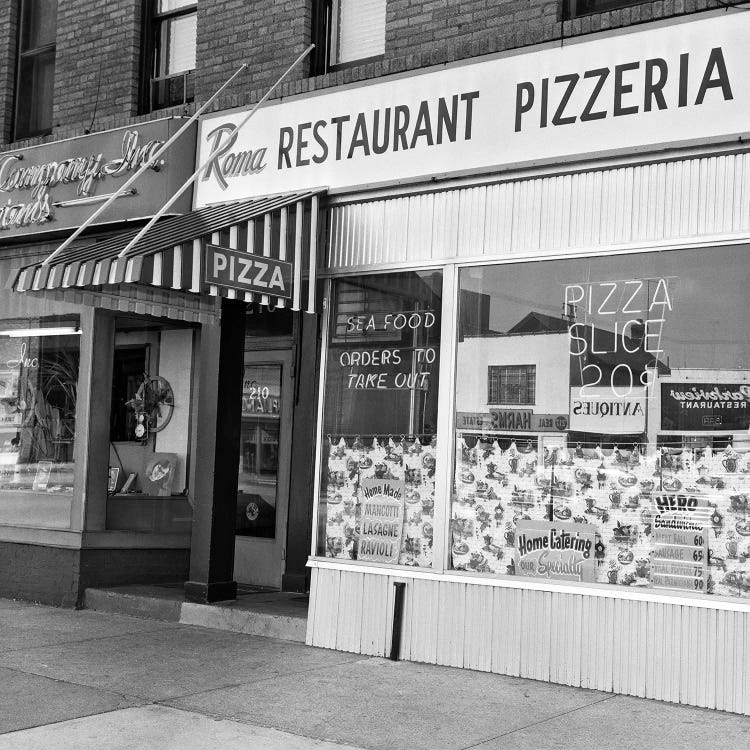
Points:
x=256, y=611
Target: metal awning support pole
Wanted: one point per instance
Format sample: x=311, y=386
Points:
x=230, y=134
x=99, y=211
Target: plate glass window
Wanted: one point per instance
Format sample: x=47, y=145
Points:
x=630, y=465
x=36, y=67
x=378, y=475
x=39, y=362
x=172, y=53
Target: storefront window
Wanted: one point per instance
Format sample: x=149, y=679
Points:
x=613, y=442
x=38, y=391
x=380, y=416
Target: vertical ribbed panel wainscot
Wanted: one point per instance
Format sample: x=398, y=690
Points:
x=648, y=647
x=619, y=207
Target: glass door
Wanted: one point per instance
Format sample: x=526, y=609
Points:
x=263, y=479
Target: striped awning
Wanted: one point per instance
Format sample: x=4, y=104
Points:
x=171, y=255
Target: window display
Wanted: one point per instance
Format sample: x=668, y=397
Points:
x=380, y=416
x=631, y=463
x=38, y=394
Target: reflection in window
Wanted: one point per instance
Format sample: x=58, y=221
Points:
x=514, y=384
x=38, y=394
x=259, y=450
x=635, y=448
x=36, y=67
x=380, y=415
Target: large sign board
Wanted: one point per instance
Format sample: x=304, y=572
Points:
x=57, y=186
x=666, y=84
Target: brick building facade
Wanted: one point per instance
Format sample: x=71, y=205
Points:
x=424, y=339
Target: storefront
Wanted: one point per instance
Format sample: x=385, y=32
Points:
x=68, y=350
x=534, y=379
x=127, y=428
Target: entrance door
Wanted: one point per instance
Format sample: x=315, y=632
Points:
x=263, y=481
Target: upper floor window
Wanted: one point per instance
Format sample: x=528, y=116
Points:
x=513, y=384
x=576, y=8
x=170, y=53
x=36, y=67
x=347, y=32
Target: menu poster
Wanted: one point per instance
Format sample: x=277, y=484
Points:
x=560, y=550
x=382, y=519
x=679, y=559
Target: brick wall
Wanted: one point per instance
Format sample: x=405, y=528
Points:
x=97, y=61
x=40, y=574
x=447, y=27
x=8, y=36
x=269, y=34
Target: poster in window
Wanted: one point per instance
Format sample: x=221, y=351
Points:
x=158, y=474
x=382, y=520
x=557, y=550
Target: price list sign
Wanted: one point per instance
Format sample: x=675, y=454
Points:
x=680, y=554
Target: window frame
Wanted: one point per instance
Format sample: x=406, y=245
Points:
x=33, y=54
x=151, y=51
x=570, y=7
x=322, y=29
x=503, y=370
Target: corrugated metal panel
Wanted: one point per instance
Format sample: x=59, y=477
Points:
x=477, y=639
x=672, y=652
x=451, y=624
x=421, y=640
x=374, y=615
x=349, y=622
x=630, y=205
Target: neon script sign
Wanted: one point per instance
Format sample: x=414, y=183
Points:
x=86, y=170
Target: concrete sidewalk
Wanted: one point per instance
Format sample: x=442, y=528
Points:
x=93, y=680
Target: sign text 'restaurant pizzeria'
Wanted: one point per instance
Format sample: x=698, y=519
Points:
x=664, y=85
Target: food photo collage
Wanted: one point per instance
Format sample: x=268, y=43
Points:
x=618, y=491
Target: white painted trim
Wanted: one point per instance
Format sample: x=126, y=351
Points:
x=520, y=257
x=475, y=579
x=445, y=418
x=326, y=315
x=594, y=164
